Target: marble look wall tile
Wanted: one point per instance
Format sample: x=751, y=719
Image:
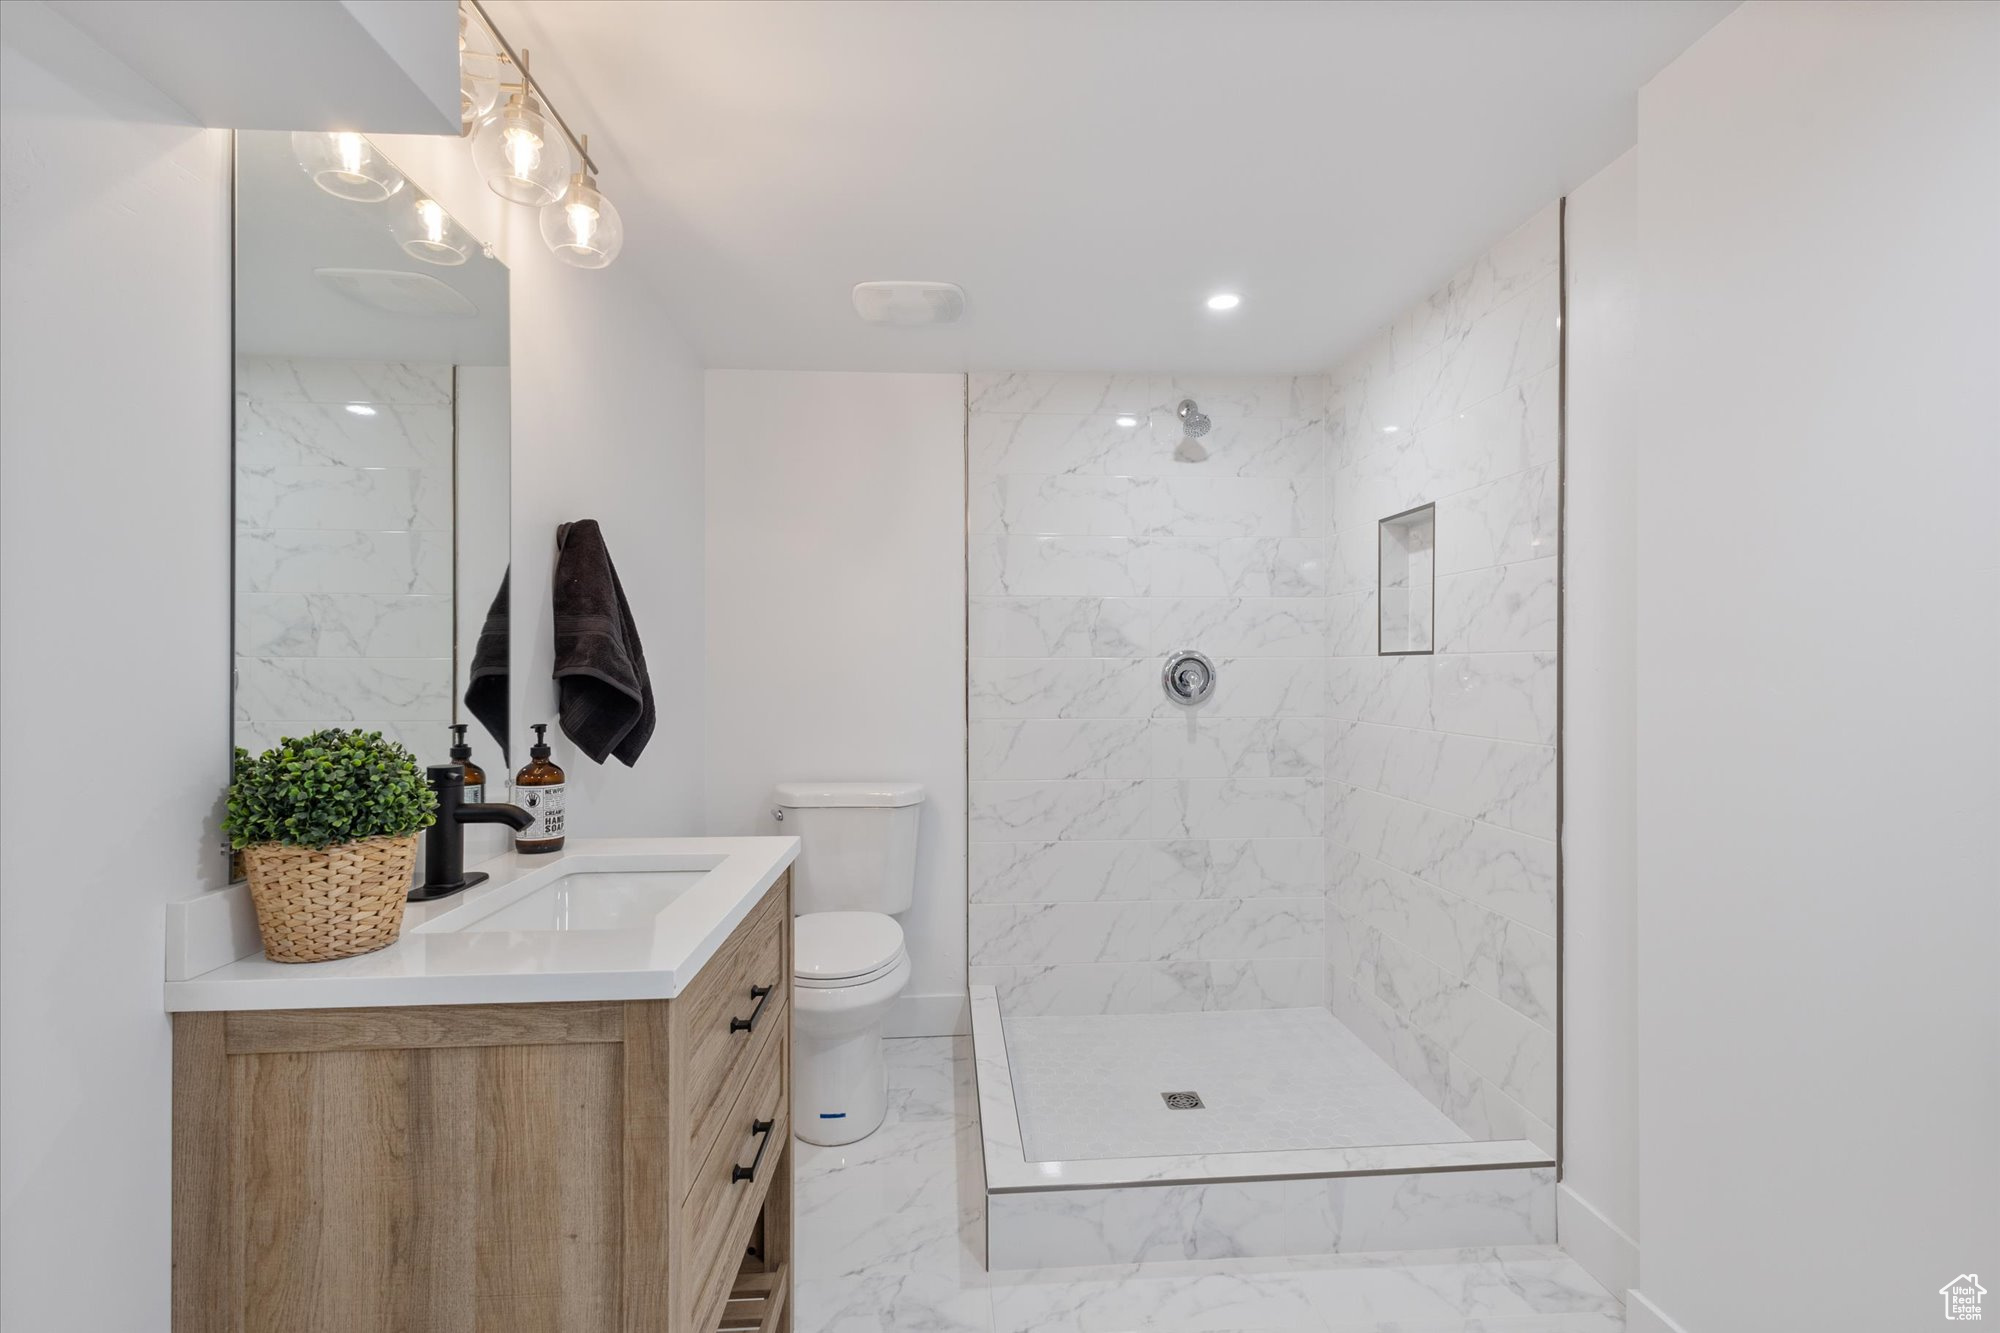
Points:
x=1004, y=811
x=382, y=563
x=1496, y=1042
x=1353, y=629
x=419, y=736
x=1253, y=807
x=1250, y=395
x=1019, y=687
x=1069, y=504
x=1026, y=566
x=270, y=688
x=287, y=495
x=296, y=624
x=1048, y=933
x=1508, y=696
x=1393, y=691
x=1500, y=523
x=1176, y=986
x=275, y=379
x=1147, y=627
x=1523, y=259
x=1415, y=839
x=1501, y=782
x=1086, y=871
x=1243, y=747
x=1508, y=609
x=328, y=435
x=1511, y=873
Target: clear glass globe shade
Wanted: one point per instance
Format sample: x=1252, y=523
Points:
x=521, y=153
x=346, y=165
x=427, y=232
x=583, y=228
x=479, y=67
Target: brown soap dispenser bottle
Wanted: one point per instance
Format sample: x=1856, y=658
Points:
x=475, y=776
x=538, y=789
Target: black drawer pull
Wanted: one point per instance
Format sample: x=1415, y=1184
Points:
x=739, y=1174
x=761, y=994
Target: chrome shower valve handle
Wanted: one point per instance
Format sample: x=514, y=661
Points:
x=1189, y=678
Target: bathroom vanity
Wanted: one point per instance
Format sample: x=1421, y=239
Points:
x=559, y=1101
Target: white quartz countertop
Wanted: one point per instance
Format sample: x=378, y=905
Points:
x=435, y=963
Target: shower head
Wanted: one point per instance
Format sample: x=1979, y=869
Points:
x=1193, y=423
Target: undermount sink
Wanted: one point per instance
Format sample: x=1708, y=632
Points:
x=591, y=900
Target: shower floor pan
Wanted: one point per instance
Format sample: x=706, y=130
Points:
x=1304, y=1142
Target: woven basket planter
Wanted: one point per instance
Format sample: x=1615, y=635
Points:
x=316, y=904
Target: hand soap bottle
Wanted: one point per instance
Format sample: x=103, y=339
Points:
x=475, y=776
x=538, y=789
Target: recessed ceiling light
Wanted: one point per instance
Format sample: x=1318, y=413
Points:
x=1390, y=430
x=1224, y=301
x=361, y=409
x=1128, y=421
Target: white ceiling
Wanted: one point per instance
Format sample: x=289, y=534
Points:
x=1088, y=172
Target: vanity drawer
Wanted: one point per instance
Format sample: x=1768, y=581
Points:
x=720, y=1214
x=725, y=1026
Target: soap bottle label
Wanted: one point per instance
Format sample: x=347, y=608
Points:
x=475, y=793
x=546, y=805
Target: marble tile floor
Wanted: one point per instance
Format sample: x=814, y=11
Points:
x=1089, y=1086
x=889, y=1239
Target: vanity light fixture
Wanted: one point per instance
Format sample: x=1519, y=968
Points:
x=583, y=228
x=526, y=151
x=346, y=165
x=479, y=66
x=1224, y=301
x=427, y=232
x=518, y=150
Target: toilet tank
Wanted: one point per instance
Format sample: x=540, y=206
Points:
x=858, y=844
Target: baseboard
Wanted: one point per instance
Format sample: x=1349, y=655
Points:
x=946, y=1015
x=1595, y=1242
x=1642, y=1316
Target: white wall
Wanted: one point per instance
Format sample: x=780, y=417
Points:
x=114, y=652
x=114, y=579
x=1819, y=643
x=835, y=592
x=606, y=425
x=1598, y=1203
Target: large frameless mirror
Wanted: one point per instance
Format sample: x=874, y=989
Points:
x=372, y=460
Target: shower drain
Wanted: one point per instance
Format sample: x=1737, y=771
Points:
x=1182, y=1101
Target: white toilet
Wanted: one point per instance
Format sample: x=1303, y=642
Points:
x=857, y=867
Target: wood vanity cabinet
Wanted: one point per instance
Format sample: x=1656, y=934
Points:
x=517, y=1168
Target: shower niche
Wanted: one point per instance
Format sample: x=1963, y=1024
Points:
x=1406, y=583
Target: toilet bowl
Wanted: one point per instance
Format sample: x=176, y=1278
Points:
x=857, y=868
x=848, y=968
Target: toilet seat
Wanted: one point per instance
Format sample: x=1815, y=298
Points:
x=834, y=950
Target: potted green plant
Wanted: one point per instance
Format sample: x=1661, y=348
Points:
x=328, y=826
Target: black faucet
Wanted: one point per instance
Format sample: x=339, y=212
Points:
x=444, y=844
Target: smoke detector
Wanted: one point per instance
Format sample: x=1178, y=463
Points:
x=909, y=304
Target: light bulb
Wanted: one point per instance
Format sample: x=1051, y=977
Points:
x=583, y=229
x=428, y=233
x=582, y=222
x=524, y=151
x=431, y=218
x=346, y=165
x=521, y=156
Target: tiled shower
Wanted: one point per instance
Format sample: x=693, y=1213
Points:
x=1325, y=898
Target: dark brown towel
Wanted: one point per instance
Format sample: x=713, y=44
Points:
x=486, y=678
x=606, y=697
